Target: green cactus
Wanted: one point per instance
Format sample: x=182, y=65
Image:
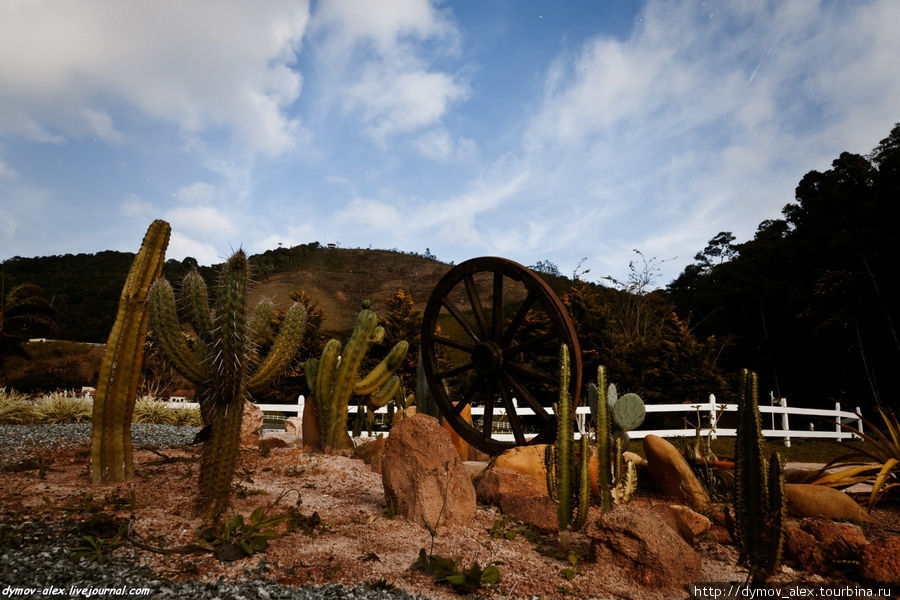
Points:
x=560, y=463
x=599, y=405
x=336, y=377
x=111, y=458
x=759, y=490
x=223, y=364
x=628, y=412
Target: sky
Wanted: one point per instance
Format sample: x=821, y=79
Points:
x=573, y=132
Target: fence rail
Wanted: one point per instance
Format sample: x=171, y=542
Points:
x=710, y=411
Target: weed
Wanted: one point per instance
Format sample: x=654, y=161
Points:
x=446, y=570
x=379, y=585
x=310, y=526
x=235, y=538
x=500, y=530
x=331, y=569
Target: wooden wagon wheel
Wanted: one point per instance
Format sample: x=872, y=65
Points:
x=497, y=328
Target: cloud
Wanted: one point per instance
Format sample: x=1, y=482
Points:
x=135, y=206
x=7, y=173
x=181, y=246
x=202, y=220
x=197, y=192
x=439, y=145
x=74, y=70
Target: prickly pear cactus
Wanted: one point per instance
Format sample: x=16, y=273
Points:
x=628, y=412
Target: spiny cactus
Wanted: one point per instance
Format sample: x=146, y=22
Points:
x=560, y=462
x=599, y=405
x=759, y=489
x=624, y=475
x=333, y=377
x=111, y=458
x=223, y=364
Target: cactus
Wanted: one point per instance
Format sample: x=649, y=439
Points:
x=560, y=463
x=599, y=405
x=624, y=475
x=223, y=364
x=628, y=412
x=336, y=377
x=759, y=490
x=111, y=458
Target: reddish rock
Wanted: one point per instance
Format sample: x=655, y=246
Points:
x=465, y=451
x=672, y=475
x=421, y=473
x=721, y=535
x=278, y=439
x=836, y=539
x=528, y=460
x=685, y=522
x=497, y=483
x=537, y=511
x=371, y=453
x=808, y=500
x=880, y=563
x=801, y=550
x=294, y=425
x=251, y=424
x=402, y=414
x=310, y=426
x=631, y=538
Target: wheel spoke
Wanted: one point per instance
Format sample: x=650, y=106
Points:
x=497, y=306
x=477, y=308
x=533, y=342
x=517, y=320
x=487, y=424
x=454, y=371
x=530, y=372
x=528, y=397
x=463, y=322
x=512, y=417
x=461, y=404
x=438, y=339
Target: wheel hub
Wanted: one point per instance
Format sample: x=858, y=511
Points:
x=487, y=358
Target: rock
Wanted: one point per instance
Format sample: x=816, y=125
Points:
x=795, y=475
x=279, y=439
x=879, y=561
x=671, y=473
x=685, y=522
x=465, y=451
x=631, y=538
x=801, y=549
x=310, y=426
x=402, y=414
x=808, y=500
x=294, y=425
x=421, y=473
x=721, y=535
x=497, y=483
x=537, y=511
x=836, y=539
x=251, y=424
x=475, y=469
x=528, y=460
x=371, y=453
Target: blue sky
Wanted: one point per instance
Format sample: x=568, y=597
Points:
x=529, y=130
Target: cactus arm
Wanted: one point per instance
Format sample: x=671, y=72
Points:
x=384, y=394
x=261, y=320
x=120, y=370
x=354, y=352
x=381, y=373
x=196, y=299
x=776, y=512
x=325, y=379
x=550, y=469
x=164, y=322
x=284, y=349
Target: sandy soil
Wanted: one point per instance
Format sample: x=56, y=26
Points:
x=357, y=542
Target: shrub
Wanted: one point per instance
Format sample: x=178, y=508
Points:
x=63, y=407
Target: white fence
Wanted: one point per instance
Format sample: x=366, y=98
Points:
x=710, y=412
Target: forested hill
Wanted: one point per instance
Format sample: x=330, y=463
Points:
x=813, y=300
x=85, y=288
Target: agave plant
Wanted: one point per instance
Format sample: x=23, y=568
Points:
x=876, y=462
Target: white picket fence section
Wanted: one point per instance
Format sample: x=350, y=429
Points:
x=778, y=412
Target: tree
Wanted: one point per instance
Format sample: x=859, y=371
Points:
x=24, y=312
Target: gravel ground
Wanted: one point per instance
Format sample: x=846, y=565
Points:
x=36, y=557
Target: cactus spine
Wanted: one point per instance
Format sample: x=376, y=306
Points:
x=560, y=462
x=223, y=364
x=759, y=489
x=336, y=377
x=111, y=458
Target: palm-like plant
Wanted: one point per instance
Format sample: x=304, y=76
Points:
x=24, y=312
x=877, y=461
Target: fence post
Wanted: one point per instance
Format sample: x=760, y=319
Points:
x=837, y=421
x=301, y=403
x=859, y=422
x=712, y=416
x=784, y=423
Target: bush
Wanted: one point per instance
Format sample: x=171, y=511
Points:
x=63, y=407
x=14, y=407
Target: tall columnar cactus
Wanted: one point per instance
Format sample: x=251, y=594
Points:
x=223, y=363
x=120, y=370
x=599, y=405
x=333, y=378
x=560, y=463
x=759, y=489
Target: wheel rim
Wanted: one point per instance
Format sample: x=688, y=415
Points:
x=491, y=357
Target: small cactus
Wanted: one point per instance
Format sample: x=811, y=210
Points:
x=333, y=377
x=111, y=458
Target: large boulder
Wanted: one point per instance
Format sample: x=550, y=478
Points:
x=423, y=477
x=808, y=500
x=672, y=475
x=528, y=460
x=631, y=538
x=685, y=522
x=880, y=563
x=801, y=550
x=251, y=425
x=537, y=511
x=836, y=539
x=371, y=452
